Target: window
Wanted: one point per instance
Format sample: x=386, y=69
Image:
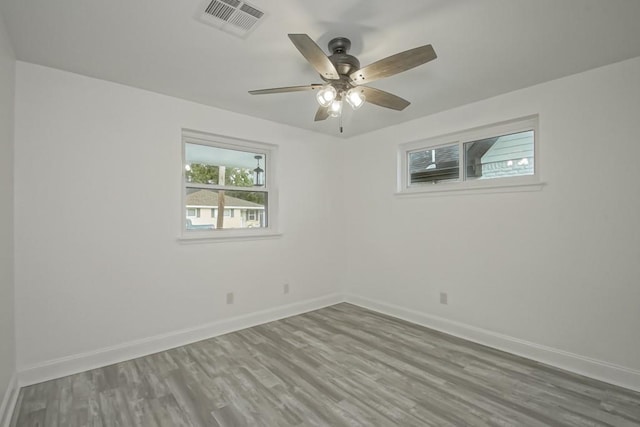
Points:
x=231, y=176
x=500, y=155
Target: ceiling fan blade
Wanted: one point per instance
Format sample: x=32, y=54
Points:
x=383, y=99
x=321, y=114
x=285, y=89
x=393, y=64
x=316, y=57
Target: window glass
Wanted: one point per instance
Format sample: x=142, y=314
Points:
x=230, y=202
x=500, y=157
x=434, y=165
x=221, y=166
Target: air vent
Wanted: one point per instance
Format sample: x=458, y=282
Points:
x=232, y=16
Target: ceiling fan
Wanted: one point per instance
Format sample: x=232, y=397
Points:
x=344, y=79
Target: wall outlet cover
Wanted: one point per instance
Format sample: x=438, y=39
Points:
x=444, y=298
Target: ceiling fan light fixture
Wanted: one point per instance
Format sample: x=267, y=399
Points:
x=335, y=109
x=326, y=95
x=355, y=98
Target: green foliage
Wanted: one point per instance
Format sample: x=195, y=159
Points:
x=208, y=174
x=239, y=177
x=202, y=174
x=251, y=196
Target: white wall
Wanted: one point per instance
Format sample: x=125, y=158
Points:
x=92, y=159
x=7, y=85
x=558, y=267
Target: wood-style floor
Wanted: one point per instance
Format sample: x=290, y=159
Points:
x=338, y=366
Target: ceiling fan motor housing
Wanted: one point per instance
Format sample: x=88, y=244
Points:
x=345, y=64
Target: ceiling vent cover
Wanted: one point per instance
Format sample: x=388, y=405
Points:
x=235, y=17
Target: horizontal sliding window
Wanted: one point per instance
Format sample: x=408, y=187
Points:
x=495, y=155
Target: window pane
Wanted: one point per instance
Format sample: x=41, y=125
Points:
x=209, y=165
x=235, y=205
x=434, y=165
x=500, y=157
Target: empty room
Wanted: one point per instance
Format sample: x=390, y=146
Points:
x=335, y=213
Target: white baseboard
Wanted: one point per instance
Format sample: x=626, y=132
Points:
x=589, y=367
x=9, y=401
x=593, y=368
x=107, y=356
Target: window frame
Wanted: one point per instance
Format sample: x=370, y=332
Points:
x=269, y=164
x=462, y=185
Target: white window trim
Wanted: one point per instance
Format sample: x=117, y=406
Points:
x=498, y=185
x=270, y=151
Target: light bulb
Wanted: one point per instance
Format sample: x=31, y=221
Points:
x=335, y=109
x=326, y=95
x=355, y=98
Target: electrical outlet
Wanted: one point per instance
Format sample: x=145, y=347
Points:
x=444, y=298
x=285, y=288
x=230, y=298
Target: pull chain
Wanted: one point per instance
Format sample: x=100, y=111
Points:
x=340, y=123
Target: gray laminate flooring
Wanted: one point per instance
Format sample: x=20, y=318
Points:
x=338, y=366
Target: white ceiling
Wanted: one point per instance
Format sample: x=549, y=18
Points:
x=484, y=47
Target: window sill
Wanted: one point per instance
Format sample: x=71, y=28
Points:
x=224, y=236
x=458, y=188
